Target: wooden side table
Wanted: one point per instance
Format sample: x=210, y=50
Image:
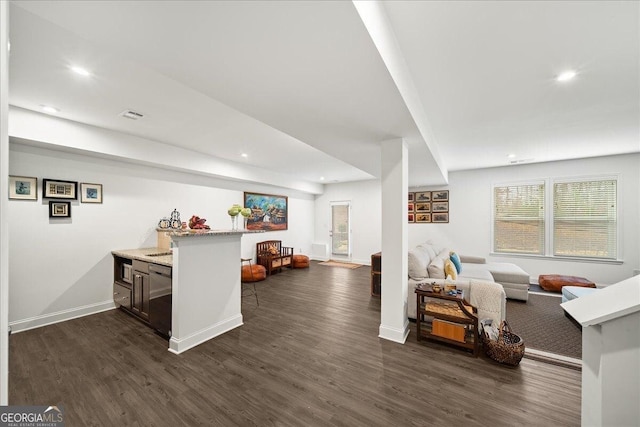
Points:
x=446, y=318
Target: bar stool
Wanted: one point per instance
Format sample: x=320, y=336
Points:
x=246, y=291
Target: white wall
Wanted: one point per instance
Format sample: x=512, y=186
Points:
x=62, y=268
x=366, y=216
x=469, y=229
x=470, y=206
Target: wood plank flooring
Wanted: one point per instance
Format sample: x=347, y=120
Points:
x=309, y=355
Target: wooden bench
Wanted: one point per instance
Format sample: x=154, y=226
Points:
x=273, y=256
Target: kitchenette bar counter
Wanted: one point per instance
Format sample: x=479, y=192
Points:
x=206, y=293
x=154, y=255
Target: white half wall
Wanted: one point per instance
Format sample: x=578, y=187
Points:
x=63, y=268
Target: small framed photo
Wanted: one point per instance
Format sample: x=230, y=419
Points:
x=54, y=189
x=412, y=217
x=440, y=196
x=90, y=193
x=411, y=206
x=423, y=217
x=411, y=196
x=440, y=206
x=23, y=188
x=423, y=207
x=423, y=196
x=59, y=209
x=441, y=217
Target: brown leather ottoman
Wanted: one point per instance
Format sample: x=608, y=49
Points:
x=300, y=261
x=555, y=282
x=253, y=273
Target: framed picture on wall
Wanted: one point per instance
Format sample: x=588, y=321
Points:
x=440, y=206
x=440, y=196
x=59, y=209
x=55, y=189
x=440, y=217
x=410, y=197
x=412, y=217
x=423, y=196
x=268, y=212
x=23, y=188
x=423, y=217
x=423, y=207
x=411, y=207
x=90, y=193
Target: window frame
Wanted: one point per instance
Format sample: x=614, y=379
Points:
x=549, y=204
x=544, y=218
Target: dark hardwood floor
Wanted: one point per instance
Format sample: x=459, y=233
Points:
x=309, y=355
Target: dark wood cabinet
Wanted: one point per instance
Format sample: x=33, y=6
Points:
x=376, y=274
x=140, y=291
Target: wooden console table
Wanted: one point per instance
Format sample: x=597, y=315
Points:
x=446, y=318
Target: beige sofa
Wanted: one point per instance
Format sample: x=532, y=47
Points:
x=513, y=279
x=426, y=265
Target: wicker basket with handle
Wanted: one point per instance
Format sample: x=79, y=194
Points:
x=507, y=349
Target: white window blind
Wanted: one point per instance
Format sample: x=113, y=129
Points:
x=518, y=220
x=585, y=219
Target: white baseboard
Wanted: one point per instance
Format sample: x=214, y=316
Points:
x=394, y=334
x=60, y=316
x=180, y=345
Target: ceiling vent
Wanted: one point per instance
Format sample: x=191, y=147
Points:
x=130, y=114
x=517, y=162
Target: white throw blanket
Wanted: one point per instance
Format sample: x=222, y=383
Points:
x=490, y=300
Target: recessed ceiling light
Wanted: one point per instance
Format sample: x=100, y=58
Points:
x=322, y=178
x=566, y=76
x=80, y=70
x=50, y=110
x=511, y=156
x=245, y=155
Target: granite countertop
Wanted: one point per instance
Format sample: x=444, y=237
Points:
x=206, y=232
x=152, y=255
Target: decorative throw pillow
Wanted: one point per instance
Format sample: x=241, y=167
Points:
x=436, y=268
x=450, y=270
x=417, y=264
x=455, y=259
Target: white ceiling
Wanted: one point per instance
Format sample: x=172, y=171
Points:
x=301, y=88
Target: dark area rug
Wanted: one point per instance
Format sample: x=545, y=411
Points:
x=543, y=326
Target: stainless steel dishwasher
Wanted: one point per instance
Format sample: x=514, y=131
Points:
x=160, y=298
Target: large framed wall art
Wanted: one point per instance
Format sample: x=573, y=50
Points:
x=268, y=212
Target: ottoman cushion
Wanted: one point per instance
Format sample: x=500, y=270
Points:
x=253, y=273
x=555, y=282
x=300, y=261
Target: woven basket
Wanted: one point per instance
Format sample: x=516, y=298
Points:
x=507, y=349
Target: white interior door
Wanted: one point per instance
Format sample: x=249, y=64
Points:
x=340, y=229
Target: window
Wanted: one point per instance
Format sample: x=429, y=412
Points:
x=585, y=219
x=518, y=220
x=583, y=222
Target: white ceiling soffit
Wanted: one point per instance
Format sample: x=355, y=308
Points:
x=307, y=71
x=485, y=73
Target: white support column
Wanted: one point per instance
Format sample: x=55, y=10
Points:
x=394, y=325
x=4, y=204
